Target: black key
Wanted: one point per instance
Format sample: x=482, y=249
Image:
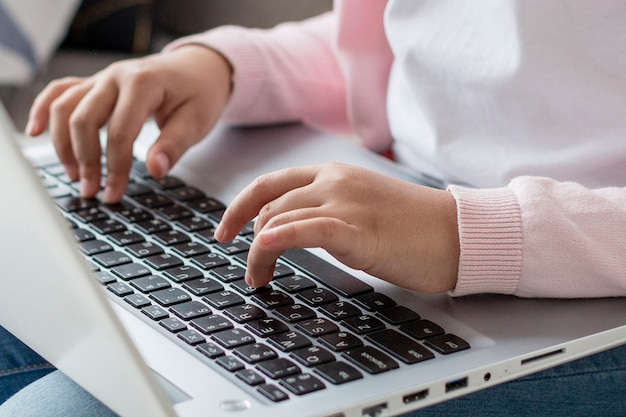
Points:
x=182, y=273
x=210, y=350
x=191, y=337
x=289, y=341
x=243, y=288
x=173, y=325
x=272, y=392
x=170, y=296
x=317, y=296
x=175, y=212
x=397, y=315
x=313, y=356
x=193, y=224
x=131, y=214
x=233, y=338
x=152, y=226
x=302, y=384
x=190, y=310
x=281, y=270
x=206, y=205
x=167, y=182
x=223, y=299
x=186, y=193
x=190, y=249
x=295, y=283
x=338, y=372
x=206, y=235
x=250, y=377
x=144, y=249
x=329, y=275
x=230, y=363
x=317, y=326
x=82, y=235
x=374, y=301
x=137, y=300
x=230, y=248
x=202, y=286
x=421, y=329
x=272, y=299
x=295, y=312
x=71, y=204
x=135, y=189
x=340, y=310
x=171, y=237
x=163, y=261
x=210, y=260
x=245, y=313
x=363, y=324
x=401, y=346
x=107, y=226
x=267, y=326
x=111, y=259
x=120, y=289
x=90, y=215
x=131, y=271
x=93, y=247
x=255, y=352
x=447, y=343
x=371, y=359
x=278, y=368
x=340, y=341
x=126, y=237
x=154, y=200
x=155, y=312
x=228, y=273
x=211, y=324
x=105, y=277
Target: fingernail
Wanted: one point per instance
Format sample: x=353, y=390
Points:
x=220, y=232
x=88, y=187
x=267, y=237
x=108, y=196
x=163, y=162
x=249, y=280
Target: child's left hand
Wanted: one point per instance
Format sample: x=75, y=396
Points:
x=397, y=231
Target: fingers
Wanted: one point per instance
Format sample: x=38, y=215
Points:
x=332, y=234
x=261, y=191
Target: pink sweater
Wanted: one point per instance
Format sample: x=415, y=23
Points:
x=534, y=237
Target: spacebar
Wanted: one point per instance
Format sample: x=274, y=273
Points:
x=329, y=275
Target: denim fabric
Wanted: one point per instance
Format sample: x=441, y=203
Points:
x=592, y=386
x=19, y=366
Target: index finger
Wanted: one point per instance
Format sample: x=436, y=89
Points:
x=258, y=193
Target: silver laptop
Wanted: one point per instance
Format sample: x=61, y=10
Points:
x=139, y=306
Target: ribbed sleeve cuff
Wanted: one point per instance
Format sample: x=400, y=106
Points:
x=237, y=46
x=490, y=234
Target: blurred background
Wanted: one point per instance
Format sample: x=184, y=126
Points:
x=41, y=40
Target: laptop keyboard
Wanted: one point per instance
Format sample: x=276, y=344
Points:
x=312, y=327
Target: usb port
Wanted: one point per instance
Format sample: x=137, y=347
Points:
x=415, y=396
x=456, y=384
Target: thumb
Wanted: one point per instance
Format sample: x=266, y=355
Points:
x=179, y=132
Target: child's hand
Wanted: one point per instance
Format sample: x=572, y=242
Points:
x=398, y=231
x=185, y=90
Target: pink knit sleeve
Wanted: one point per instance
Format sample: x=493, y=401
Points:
x=542, y=238
x=288, y=73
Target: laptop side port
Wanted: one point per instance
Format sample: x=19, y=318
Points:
x=456, y=384
x=379, y=410
x=415, y=396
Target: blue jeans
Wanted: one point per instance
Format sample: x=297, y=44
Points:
x=592, y=386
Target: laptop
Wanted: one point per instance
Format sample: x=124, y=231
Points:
x=138, y=304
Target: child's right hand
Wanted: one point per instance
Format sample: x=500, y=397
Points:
x=185, y=90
